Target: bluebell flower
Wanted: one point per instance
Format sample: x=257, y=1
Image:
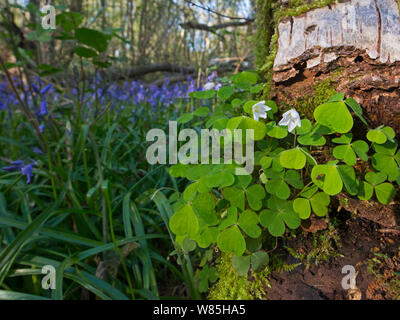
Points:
x=43, y=107
x=28, y=172
x=46, y=89
x=35, y=88
x=15, y=166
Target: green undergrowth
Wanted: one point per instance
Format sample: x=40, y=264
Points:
x=231, y=286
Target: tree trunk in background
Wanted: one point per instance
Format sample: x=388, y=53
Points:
x=307, y=52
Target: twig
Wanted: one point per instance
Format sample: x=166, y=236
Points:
x=215, y=12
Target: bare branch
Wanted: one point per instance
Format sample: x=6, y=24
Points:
x=215, y=12
x=213, y=28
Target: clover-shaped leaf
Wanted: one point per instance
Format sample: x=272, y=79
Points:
x=243, y=123
x=184, y=222
x=231, y=240
x=365, y=191
x=241, y=264
x=259, y=261
x=220, y=179
x=293, y=159
x=334, y=115
x=294, y=179
x=248, y=222
x=327, y=177
x=275, y=131
x=319, y=203
x=381, y=134
x=312, y=139
x=204, y=207
x=302, y=207
x=347, y=151
x=280, y=213
x=386, y=160
x=235, y=196
x=348, y=176
x=205, y=276
x=278, y=188
x=385, y=192
x=255, y=194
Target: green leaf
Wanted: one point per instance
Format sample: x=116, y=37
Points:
x=305, y=128
x=203, y=95
x=231, y=240
x=293, y=159
x=220, y=179
x=185, y=118
x=235, y=196
x=92, y=38
x=241, y=264
x=375, y=178
x=225, y=93
x=278, y=188
x=348, y=175
x=302, y=207
x=365, y=191
x=337, y=97
x=254, y=195
x=386, y=164
x=385, y=193
x=361, y=148
x=334, y=115
x=275, y=131
x=204, y=207
x=328, y=178
x=245, y=123
x=259, y=261
x=85, y=52
x=376, y=136
x=184, y=222
x=202, y=112
x=353, y=104
x=248, y=222
x=273, y=221
x=320, y=203
x=311, y=139
x=294, y=179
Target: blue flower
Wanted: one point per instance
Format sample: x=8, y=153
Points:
x=15, y=166
x=46, y=89
x=43, y=107
x=27, y=171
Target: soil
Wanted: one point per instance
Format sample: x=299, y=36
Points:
x=364, y=245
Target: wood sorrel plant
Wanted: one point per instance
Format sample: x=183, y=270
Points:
x=289, y=182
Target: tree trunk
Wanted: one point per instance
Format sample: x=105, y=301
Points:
x=307, y=52
x=351, y=47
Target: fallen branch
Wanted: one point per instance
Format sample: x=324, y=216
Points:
x=150, y=68
x=213, y=28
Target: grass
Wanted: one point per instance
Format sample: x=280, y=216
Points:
x=94, y=210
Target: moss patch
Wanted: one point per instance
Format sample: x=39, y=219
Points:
x=231, y=286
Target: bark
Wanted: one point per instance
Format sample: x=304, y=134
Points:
x=355, y=45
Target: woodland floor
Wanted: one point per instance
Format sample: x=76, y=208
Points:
x=365, y=246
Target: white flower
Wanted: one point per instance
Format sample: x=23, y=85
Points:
x=260, y=110
x=291, y=119
x=209, y=86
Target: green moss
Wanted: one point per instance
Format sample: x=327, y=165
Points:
x=322, y=91
x=324, y=243
x=231, y=286
x=268, y=47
